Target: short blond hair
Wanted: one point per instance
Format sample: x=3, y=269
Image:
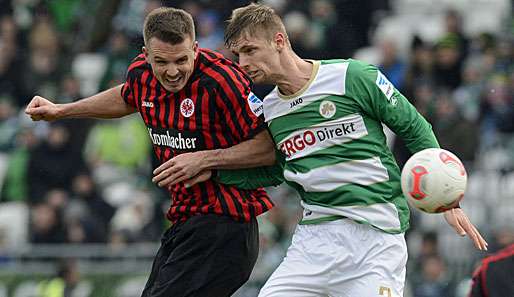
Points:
x=253, y=19
x=168, y=24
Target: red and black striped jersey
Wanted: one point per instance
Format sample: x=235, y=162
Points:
x=210, y=112
x=494, y=277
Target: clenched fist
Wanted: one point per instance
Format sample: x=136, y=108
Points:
x=40, y=108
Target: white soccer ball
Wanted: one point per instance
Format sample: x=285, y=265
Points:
x=434, y=180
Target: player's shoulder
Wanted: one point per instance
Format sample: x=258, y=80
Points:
x=138, y=65
x=359, y=67
x=216, y=70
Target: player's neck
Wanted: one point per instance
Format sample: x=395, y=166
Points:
x=295, y=74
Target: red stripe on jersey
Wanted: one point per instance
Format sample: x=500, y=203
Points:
x=137, y=62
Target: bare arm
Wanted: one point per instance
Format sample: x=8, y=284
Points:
x=258, y=151
x=105, y=105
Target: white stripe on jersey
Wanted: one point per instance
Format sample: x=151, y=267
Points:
x=328, y=178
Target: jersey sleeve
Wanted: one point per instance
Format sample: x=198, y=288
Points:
x=253, y=178
x=127, y=90
x=379, y=99
x=240, y=109
x=126, y=93
x=477, y=289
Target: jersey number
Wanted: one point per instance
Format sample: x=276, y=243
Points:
x=385, y=291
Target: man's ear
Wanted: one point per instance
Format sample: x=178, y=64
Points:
x=147, y=54
x=195, y=48
x=280, y=41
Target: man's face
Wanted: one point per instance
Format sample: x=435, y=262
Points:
x=258, y=57
x=172, y=64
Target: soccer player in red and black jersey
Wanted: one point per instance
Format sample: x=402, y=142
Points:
x=190, y=99
x=494, y=278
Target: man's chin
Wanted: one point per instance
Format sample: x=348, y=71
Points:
x=174, y=88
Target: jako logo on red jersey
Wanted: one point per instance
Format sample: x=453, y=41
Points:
x=315, y=138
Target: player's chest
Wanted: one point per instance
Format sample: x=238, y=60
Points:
x=184, y=110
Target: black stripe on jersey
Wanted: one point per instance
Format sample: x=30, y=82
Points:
x=157, y=104
x=226, y=98
x=139, y=86
x=261, y=202
x=212, y=117
x=198, y=120
x=176, y=111
x=251, y=208
x=187, y=92
x=236, y=202
x=221, y=199
x=238, y=92
x=240, y=76
x=158, y=112
x=148, y=86
x=244, y=78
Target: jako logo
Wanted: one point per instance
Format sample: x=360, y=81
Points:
x=147, y=104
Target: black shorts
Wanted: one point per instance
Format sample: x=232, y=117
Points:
x=205, y=256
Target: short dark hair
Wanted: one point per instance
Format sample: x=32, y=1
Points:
x=253, y=19
x=168, y=24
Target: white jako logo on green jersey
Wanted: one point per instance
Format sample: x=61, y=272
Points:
x=327, y=109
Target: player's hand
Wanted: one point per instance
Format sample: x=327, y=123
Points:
x=180, y=168
x=462, y=225
x=204, y=175
x=40, y=108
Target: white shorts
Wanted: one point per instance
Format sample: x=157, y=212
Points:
x=340, y=259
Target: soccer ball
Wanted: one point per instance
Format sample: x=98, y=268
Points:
x=434, y=180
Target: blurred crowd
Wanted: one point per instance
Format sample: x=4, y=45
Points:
x=89, y=181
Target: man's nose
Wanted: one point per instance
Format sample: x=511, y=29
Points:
x=243, y=62
x=172, y=71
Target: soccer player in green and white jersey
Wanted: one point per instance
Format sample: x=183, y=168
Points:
x=326, y=118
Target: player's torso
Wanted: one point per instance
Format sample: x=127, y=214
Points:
x=191, y=120
x=333, y=149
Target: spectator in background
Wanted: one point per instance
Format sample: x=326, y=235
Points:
x=46, y=225
x=118, y=54
x=391, y=64
x=323, y=19
x=114, y=155
x=43, y=70
x=467, y=95
x=433, y=281
x=210, y=34
x=421, y=66
x=455, y=132
x=52, y=163
x=15, y=186
x=65, y=283
x=87, y=212
x=11, y=82
x=497, y=108
x=453, y=27
x=448, y=63
x=8, y=124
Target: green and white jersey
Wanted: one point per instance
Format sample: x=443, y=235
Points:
x=336, y=154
